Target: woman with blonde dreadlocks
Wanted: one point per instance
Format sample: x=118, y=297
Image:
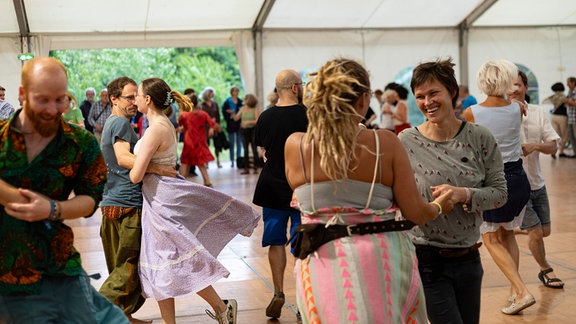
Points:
x=348, y=178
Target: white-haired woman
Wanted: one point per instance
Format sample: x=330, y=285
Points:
x=503, y=118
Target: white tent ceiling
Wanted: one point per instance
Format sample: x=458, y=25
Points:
x=269, y=35
x=149, y=16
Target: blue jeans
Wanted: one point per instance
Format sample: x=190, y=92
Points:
x=537, y=209
x=235, y=142
x=452, y=286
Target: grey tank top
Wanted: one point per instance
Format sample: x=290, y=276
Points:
x=346, y=192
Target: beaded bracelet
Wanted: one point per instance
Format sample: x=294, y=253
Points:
x=434, y=202
x=52, y=208
x=58, y=212
x=55, y=211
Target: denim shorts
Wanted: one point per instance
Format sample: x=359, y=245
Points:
x=62, y=300
x=275, y=225
x=537, y=209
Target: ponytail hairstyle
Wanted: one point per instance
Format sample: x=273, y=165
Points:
x=332, y=117
x=162, y=96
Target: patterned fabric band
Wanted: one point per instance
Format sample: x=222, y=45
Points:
x=116, y=212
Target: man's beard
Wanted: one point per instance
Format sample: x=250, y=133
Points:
x=43, y=128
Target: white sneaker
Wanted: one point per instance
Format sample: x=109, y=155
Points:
x=228, y=316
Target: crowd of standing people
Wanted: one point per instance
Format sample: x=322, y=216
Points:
x=383, y=222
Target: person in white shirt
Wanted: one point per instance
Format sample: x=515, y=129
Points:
x=537, y=136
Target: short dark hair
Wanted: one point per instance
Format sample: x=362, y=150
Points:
x=189, y=91
x=2, y=88
x=402, y=92
x=524, y=78
x=441, y=71
x=115, y=86
x=391, y=86
x=558, y=86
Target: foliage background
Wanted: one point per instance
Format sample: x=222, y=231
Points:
x=181, y=68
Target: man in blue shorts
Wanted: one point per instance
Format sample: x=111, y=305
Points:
x=272, y=191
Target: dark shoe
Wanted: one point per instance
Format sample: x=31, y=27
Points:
x=245, y=172
x=566, y=156
x=274, y=309
x=210, y=185
x=517, y=306
x=550, y=282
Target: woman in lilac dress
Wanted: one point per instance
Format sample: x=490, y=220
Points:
x=184, y=225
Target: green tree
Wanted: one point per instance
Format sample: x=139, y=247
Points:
x=181, y=68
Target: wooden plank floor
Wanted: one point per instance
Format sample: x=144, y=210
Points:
x=250, y=279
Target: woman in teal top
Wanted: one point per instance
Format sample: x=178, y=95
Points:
x=248, y=115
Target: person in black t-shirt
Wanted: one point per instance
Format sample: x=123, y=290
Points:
x=272, y=191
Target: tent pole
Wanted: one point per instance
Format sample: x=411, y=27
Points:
x=463, y=53
x=257, y=29
x=258, y=64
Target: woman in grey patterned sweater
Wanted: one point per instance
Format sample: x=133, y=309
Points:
x=449, y=154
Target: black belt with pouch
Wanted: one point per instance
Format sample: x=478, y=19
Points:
x=310, y=237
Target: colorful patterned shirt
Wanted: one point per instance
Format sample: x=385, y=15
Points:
x=72, y=161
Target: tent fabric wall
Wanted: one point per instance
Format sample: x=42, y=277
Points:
x=10, y=67
x=547, y=51
x=550, y=52
x=384, y=53
x=244, y=47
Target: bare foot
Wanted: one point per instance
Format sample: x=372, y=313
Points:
x=138, y=321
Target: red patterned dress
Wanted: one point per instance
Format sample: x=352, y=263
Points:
x=195, y=151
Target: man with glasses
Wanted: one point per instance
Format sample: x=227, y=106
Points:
x=122, y=203
x=100, y=111
x=42, y=278
x=272, y=191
